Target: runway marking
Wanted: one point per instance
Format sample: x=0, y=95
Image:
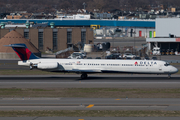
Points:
x=90, y=106
x=117, y=99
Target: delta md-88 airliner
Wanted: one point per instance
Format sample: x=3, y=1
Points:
x=87, y=66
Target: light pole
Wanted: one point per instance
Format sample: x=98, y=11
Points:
x=84, y=4
x=134, y=41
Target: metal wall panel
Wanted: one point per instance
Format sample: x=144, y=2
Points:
x=74, y=23
x=166, y=26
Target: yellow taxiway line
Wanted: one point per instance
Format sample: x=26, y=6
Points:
x=91, y=105
x=117, y=99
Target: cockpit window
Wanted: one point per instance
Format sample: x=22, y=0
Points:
x=167, y=64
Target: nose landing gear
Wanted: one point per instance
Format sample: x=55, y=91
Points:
x=84, y=76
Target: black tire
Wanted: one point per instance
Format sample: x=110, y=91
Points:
x=84, y=76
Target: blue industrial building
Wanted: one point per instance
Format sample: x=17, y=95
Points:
x=75, y=23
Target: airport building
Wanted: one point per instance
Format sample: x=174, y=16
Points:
x=110, y=32
x=129, y=27
x=54, y=39
x=167, y=36
x=86, y=23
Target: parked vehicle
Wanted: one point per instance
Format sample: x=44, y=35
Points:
x=163, y=52
x=167, y=52
x=125, y=55
x=137, y=58
x=156, y=51
x=172, y=52
x=113, y=56
x=83, y=54
x=154, y=58
x=119, y=58
x=98, y=57
x=146, y=58
x=128, y=58
x=177, y=53
x=76, y=55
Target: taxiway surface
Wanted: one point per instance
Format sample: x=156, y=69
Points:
x=90, y=104
x=94, y=81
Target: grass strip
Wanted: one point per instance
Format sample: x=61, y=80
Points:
x=91, y=92
x=90, y=113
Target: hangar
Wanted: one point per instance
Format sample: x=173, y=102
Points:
x=167, y=36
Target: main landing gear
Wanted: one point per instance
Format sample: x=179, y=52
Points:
x=169, y=76
x=84, y=76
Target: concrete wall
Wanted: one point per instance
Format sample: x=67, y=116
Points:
x=76, y=35
x=3, y=32
x=21, y=31
x=126, y=32
x=48, y=38
x=162, y=40
x=33, y=36
x=144, y=32
x=62, y=39
x=9, y=56
x=166, y=26
x=89, y=36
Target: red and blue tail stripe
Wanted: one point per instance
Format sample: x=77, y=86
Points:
x=23, y=52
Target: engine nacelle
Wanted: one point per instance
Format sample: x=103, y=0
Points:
x=47, y=65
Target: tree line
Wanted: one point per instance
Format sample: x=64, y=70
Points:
x=50, y=6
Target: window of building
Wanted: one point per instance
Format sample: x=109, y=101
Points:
x=26, y=35
x=83, y=37
x=54, y=40
x=40, y=40
x=69, y=37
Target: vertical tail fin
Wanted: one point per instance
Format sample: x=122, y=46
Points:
x=23, y=52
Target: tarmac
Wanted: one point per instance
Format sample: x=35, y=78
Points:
x=93, y=81
x=166, y=104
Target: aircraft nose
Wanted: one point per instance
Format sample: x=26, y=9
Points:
x=174, y=70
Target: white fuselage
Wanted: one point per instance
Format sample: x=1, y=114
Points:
x=102, y=65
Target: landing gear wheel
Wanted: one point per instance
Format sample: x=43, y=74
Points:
x=84, y=76
x=31, y=66
x=169, y=76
